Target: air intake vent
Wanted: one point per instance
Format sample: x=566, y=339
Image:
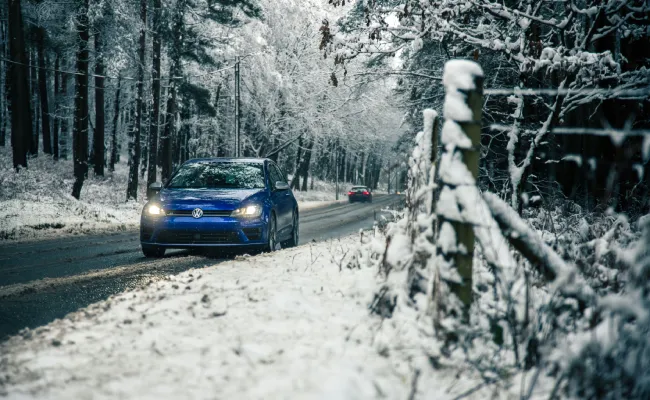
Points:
x=253, y=233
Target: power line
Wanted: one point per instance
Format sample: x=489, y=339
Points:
x=74, y=73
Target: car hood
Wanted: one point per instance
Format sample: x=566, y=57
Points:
x=208, y=199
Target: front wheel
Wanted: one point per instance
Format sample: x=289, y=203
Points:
x=151, y=251
x=293, y=242
x=272, y=235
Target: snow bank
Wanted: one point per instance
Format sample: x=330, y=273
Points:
x=36, y=202
x=287, y=325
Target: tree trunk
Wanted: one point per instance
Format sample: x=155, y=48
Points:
x=42, y=91
x=3, y=77
x=63, y=97
x=170, y=127
x=155, y=89
x=21, y=115
x=305, y=165
x=57, y=110
x=33, y=85
x=144, y=138
x=134, y=156
x=80, y=128
x=99, y=149
x=116, y=118
x=295, y=181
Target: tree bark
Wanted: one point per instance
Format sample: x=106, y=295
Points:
x=135, y=147
x=144, y=138
x=63, y=98
x=57, y=110
x=175, y=52
x=99, y=149
x=305, y=165
x=42, y=91
x=80, y=128
x=295, y=181
x=33, y=85
x=21, y=115
x=116, y=119
x=3, y=77
x=155, y=89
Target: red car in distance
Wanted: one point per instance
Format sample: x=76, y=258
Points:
x=360, y=193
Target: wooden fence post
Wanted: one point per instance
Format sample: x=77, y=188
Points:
x=461, y=140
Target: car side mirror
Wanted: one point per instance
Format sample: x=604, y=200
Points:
x=153, y=189
x=279, y=185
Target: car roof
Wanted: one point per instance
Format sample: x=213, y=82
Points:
x=228, y=159
x=364, y=187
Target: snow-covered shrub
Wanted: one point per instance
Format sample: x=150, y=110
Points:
x=612, y=360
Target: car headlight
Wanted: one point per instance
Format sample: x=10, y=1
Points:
x=155, y=209
x=248, y=212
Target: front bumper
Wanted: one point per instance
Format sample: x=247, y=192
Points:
x=186, y=231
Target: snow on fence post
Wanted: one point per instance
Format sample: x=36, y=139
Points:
x=460, y=138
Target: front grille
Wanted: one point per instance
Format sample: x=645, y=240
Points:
x=206, y=213
x=253, y=233
x=198, y=237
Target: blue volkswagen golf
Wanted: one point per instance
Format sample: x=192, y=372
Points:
x=220, y=202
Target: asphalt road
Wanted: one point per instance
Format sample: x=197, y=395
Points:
x=44, y=280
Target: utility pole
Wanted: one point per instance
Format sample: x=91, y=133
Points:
x=237, y=121
x=336, y=168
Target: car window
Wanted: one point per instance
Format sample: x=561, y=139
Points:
x=218, y=175
x=360, y=188
x=273, y=175
x=280, y=174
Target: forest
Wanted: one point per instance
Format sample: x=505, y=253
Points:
x=154, y=81
x=566, y=111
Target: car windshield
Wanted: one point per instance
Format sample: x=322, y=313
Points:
x=359, y=188
x=219, y=175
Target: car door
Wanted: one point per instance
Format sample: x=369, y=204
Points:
x=281, y=199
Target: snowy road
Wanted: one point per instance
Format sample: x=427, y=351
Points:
x=44, y=280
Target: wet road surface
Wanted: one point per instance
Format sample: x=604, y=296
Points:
x=44, y=280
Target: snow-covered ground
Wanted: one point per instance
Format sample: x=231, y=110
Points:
x=37, y=203
x=293, y=324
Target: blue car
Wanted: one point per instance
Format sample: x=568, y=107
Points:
x=220, y=202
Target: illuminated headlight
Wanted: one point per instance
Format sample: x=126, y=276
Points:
x=155, y=210
x=248, y=212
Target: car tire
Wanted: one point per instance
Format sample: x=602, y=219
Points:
x=295, y=232
x=271, y=241
x=151, y=251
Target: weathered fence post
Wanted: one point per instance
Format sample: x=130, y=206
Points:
x=461, y=139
